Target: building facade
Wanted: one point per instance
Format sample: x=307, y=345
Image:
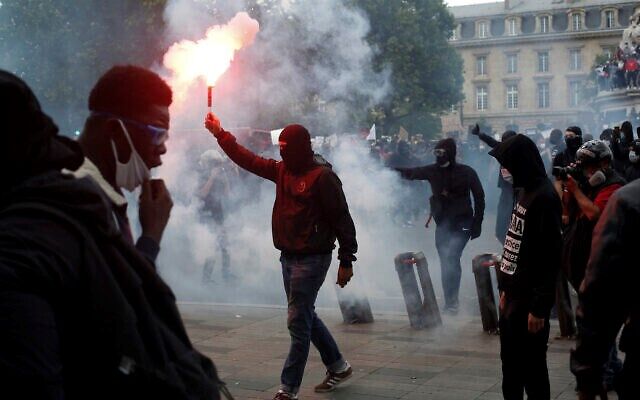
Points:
x=526, y=62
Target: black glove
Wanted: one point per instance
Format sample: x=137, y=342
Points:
x=475, y=131
x=476, y=230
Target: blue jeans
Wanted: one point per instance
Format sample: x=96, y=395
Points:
x=303, y=276
x=450, y=243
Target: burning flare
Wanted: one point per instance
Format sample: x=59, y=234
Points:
x=210, y=57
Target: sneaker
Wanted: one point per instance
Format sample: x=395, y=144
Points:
x=333, y=379
x=282, y=395
x=450, y=310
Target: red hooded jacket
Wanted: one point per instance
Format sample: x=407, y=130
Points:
x=310, y=209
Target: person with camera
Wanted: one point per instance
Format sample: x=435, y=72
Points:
x=566, y=157
x=609, y=300
x=452, y=184
x=310, y=212
x=590, y=183
x=528, y=271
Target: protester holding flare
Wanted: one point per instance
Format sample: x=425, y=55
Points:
x=309, y=213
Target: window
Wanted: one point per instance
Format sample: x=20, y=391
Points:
x=481, y=65
x=608, y=52
x=512, y=97
x=512, y=63
x=543, y=61
x=482, y=98
x=574, y=94
x=454, y=34
x=544, y=24
x=511, y=27
x=483, y=30
x=543, y=95
x=576, y=21
x=609, y=19
x=575, y=62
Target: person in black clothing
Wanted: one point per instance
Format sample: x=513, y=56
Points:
x=557, y=143
x=83, y=314
x=527, y=272
x=452, y=185
x=609, y=300
x=123, y=138
x=621, y=141
x=633, y=170
x=573, y=141
x=505, y=183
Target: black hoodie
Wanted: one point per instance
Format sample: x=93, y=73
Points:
x=83, y=315
x=452, y=187
x=532, y=249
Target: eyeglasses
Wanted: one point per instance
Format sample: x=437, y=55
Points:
x=158, y=134
x=439, y=152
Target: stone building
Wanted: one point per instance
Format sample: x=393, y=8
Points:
x=526, y=61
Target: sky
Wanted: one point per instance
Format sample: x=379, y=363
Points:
x=465, y=2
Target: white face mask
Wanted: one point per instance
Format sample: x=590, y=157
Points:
x=597, y=179
x=131, y=174
x=506, y=175
x=633, y=157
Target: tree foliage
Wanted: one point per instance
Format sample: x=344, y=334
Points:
x=411, y=37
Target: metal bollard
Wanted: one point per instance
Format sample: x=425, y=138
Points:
x=423, y=313
x=481, y=266
x=354, y=309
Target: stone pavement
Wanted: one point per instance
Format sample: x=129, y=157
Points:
x=390, y=360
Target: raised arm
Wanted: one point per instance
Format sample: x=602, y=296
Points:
x=263, y=167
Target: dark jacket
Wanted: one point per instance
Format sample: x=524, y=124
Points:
x=577, y=236
x=608, y=295
x=452, y=188
x=310, y=210
x=632, y=172
x=85, y=315
x=532, y=249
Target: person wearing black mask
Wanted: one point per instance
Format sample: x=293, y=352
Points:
x=632, y=172
x=452, y=185
x=83, y=313
x=557, y=144
x=527, y=272
x=622, y=140
x=505, y=183
x=309, y=213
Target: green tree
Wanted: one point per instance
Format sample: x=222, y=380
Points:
x=426, y=72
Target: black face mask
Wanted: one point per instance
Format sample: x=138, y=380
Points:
x=442, y=160
x=573, y=143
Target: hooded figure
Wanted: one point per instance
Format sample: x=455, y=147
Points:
x=83, y=314
x=295, y=149
x=452, y=185
x=505, y=183
x=309, y=213
x=528, y=270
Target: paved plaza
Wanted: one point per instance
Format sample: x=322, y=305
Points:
x=390, y=359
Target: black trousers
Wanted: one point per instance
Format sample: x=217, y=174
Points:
x=524, y=356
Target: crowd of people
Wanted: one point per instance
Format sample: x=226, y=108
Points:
x=85, y=314
x=621, y=71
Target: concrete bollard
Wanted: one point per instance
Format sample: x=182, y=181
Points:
x=481, y=266
x=422, y=309
x=354, y=309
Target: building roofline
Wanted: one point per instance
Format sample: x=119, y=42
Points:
x=536, y=37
